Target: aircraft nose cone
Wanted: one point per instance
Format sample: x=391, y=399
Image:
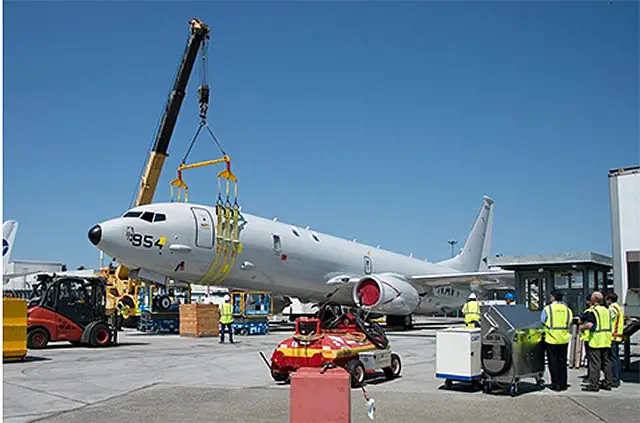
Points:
x=95, y=235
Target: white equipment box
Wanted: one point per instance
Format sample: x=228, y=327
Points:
x=458, y=354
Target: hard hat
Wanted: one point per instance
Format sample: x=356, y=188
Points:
x=472, y=296
x=509, y=296
x=227, y=298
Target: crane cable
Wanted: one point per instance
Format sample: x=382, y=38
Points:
x=227, y=212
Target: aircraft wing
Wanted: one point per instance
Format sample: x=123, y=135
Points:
x=343, y=283
x=483, y=279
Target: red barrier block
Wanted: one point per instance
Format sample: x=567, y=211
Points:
x=320, y=397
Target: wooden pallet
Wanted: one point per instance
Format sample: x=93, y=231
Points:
x=199, y=320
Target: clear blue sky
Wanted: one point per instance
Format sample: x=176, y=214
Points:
x=377, y=121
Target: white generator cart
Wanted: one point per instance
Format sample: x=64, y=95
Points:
x=458, y=352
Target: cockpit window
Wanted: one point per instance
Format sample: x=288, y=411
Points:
x=159, y=217
x=132, y=214
x=148, y=216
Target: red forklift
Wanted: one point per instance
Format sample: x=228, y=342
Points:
x=69, y=308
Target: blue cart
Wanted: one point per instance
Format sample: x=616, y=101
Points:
x=251, y=311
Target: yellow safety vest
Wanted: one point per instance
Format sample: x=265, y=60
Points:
x=601, y=336
x=556, y=325
x=618, y=323
x=227, y=313
x=585, y=335
x=471, y=310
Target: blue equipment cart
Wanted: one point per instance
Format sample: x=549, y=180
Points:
x=251, y=311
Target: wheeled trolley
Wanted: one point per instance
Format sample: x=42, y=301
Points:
x=512, y=347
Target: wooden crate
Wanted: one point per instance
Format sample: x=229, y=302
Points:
x=199, y=320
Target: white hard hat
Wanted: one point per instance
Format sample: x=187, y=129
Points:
x=227, y=297
x=472, y=296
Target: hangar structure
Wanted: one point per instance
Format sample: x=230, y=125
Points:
x=576, y=275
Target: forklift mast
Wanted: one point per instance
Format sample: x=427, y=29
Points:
x=197, y=39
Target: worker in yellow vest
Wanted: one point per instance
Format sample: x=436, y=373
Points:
x=471, y=311
x=226, y=319
x=584, y=335
x=556, y=318
x=598, y=322
x=617, y=318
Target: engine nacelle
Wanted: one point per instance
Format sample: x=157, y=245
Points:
x=386, y=294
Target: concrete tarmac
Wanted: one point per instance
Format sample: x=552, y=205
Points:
x=168, y=378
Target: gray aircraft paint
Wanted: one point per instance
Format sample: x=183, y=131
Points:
x=315, y=264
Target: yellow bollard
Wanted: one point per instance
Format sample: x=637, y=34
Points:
x=14, y=329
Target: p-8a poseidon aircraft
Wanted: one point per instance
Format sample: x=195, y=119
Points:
x=180, y=241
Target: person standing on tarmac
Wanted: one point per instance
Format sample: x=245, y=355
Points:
x=617, y=319
x=226, y=319
x=584, y=336
x=598, y=322
x=471, y=311
x=556, y=318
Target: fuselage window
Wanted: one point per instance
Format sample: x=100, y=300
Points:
x=295, y=231
x=148, y=216
x=160, y=217
x=315, y=237
x=132, y=214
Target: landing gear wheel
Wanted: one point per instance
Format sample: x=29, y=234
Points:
x=407, y=322
x=448, y=383
x=356, y=368
x=393, y=371
x=513, y=390
x=100, y=335
x=486, y=387
x=37, y=338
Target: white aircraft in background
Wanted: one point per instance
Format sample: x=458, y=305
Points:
x=178, y=241
x=9, y=229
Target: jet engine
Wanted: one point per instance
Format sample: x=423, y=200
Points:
x=386, y=294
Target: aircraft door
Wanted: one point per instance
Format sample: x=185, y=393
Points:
x=204, y=227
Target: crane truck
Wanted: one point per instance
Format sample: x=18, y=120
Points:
x=121, y=290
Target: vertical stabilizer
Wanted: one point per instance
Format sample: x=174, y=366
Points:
x=477, y=247
x=9, y=229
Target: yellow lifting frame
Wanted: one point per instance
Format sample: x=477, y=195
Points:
x=228, y=245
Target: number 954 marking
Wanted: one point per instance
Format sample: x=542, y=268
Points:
x=140, y=240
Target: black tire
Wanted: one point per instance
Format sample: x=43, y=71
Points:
x=279, y=377
x=448, y=383
x=356, y=369
x=37, y=338
x=164, y=303
x=100, y=335
x=243, y=332
x=407, y=322
x=394, y=370
x=374, y=333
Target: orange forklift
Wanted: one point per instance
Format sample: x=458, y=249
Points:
x=69, y=308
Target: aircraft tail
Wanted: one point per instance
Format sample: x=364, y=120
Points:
x=9, y=229
x=477, y=247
